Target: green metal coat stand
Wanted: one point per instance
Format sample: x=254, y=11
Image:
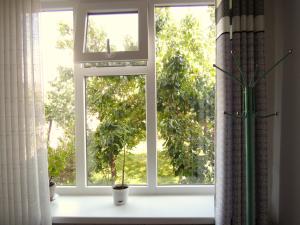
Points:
x=248, y=116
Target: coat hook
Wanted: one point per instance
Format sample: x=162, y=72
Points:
x=236, y=115
x=268, y=115
x=229, y=75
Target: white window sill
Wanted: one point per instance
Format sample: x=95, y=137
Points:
x=138, y=210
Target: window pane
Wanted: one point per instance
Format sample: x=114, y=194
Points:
x=120, y=30
x=116, y=120
x=56, y=33
x=185, y=53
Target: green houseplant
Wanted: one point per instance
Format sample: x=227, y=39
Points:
x=120, y=191
x=115, y=136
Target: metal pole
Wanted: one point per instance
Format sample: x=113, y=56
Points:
x=249, y=124
x=248, y=116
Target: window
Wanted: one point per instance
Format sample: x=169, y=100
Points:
x=116, y=119
x=119, y=32
x=159, y=107
x=185, y=94
x=57, y=55
x=121, y=26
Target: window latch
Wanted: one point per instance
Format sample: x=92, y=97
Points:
x=108, y=46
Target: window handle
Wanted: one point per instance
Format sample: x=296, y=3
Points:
x=108, y=46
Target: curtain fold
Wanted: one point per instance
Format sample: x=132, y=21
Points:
x=24, y=189
x=247, y=44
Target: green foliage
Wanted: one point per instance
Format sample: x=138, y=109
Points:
x=129, y=44
x=61, y=164
x=66, y=41
x=162, y=16
x=60, y=99
x=56, y=163
x=135, y=171
x=96, y=39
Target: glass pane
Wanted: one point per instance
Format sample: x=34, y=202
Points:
x=185, y=53
x=112, y=32
x=116, y=121
x=56, y=35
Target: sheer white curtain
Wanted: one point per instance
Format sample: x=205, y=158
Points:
x=24, y=191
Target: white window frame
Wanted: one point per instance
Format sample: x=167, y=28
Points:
x=84, y=7
x=80, y=73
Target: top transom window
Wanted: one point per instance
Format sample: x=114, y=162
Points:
x=115, y=32
x=120, y=30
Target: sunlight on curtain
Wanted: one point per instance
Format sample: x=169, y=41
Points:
x=24, y=191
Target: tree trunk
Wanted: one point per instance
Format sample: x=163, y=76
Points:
x=113, y=170
x=123, y=167
x=205, y=119
x=49, y=131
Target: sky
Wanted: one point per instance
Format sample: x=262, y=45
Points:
x=117, y=27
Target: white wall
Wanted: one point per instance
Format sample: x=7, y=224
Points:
x=282, y=33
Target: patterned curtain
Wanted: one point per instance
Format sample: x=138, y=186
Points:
x=24, y=186
x=240, y=29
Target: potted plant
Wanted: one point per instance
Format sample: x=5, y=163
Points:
x=120, y=191
x=52, y=188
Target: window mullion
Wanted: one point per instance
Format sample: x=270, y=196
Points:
x=80, y=128
x=151, y=105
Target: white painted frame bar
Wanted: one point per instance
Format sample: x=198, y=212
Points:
x=80, y=137
x=151, y=106
x=181, y=2
x=110, y=71
x=80, y=73
x=57, y=5
x=139, y=190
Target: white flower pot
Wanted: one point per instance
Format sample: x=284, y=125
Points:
x=120, y=194
x=52, y=191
